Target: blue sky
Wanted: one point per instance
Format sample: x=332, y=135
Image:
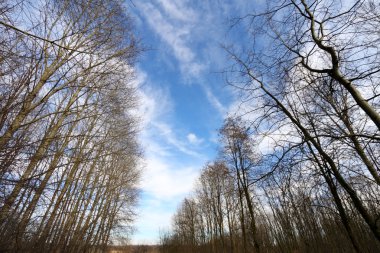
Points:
x=184, y=98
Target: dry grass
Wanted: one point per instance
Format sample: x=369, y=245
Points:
x=134, y=249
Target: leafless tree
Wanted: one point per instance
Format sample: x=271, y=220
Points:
x=68, y=149
x=309, y=87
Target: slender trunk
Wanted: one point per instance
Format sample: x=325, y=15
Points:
x=36, y=158
x=371, y=221
x=338, y=202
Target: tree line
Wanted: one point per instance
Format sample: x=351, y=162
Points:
x=68, y=149
x=299, y=164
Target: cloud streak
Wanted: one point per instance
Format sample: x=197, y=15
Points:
x=175, y=153
x=175, y=31
x=167, y=177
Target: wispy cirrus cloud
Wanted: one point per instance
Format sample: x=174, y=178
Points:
x=174, y=24
x=158, y=134
x=192, y=38
x=179, y=10
x=179, y=120
x=167, y=177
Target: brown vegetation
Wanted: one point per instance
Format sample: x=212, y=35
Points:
x=134, y=249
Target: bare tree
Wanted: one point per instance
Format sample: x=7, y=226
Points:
x=314, y=72
x=309, y=87
x=68, y=149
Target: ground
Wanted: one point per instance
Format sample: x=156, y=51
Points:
x=134, y=249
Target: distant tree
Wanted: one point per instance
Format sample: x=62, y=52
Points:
x=238, y=152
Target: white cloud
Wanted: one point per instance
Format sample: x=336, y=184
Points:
x=191, y=35
x=166, y=181
x=168, y=32
x=193, y=139
x=148, y=220
x=155, y=101
x=155, y=111
x=185, y=29
x=167, y=133
x=214, y=101
x=176, y=33
x=178, y=10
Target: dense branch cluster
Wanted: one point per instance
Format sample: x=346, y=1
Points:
x=68, y=149
x=299, y=171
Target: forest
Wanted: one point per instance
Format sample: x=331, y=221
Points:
x=68, y=150
x=312, y=90
x=308, y=81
